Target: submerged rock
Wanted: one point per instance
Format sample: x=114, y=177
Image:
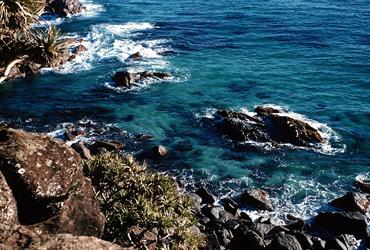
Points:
x=136, y=56
x=258, y=199
x=47, y=182
x=364, y=185
x=159, y=151
x=101, y=146
x=127, y=79
x=270, y=125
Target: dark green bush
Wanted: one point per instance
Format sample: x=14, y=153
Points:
x=131, y=195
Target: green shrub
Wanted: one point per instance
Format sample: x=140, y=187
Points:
x=131, y=195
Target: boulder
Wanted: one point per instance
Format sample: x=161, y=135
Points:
x=337, y=223
x=64, y=7
x=47, y=182
x=8, y=205
x=352, y=202
x=159, y=151
x=123, y=79
x=283, y=241
x=364, y=185
x=22, y=237
x=206, y=196
x=343, y=242
x=256, y=198
x=245, y=237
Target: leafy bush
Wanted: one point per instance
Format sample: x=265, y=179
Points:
x=131, y=195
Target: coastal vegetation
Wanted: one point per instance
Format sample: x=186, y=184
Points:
x=24, y=48
x=141, y=205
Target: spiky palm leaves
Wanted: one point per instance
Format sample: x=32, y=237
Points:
x=131, y=195
x=17, y=15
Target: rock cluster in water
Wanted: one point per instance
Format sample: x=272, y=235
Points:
x=64, y=7
x=127, y=79
x=270, y=125
x=228, y=227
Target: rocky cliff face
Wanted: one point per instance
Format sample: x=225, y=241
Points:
x=43, y=189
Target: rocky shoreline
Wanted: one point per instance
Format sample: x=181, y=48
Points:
x=39, y=206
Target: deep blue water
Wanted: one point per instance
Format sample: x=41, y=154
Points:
x=312, y=57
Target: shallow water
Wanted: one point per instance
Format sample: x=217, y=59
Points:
x=311, y=57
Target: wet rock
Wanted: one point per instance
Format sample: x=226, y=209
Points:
x=352, y=202
x=101, y=146
x=318, y=243
x=284, y=241
x=206, y=196
x=64, y=7
x=8, y=205
x=184, y=146
x=47, y=182
x=143, y=137
x=262, y=110
x=337, y=223
x=79, y=49
x=71, y=133
x=269, y=126
x=21, y=237
x=230, y=206
x=290, y=130
x=343, y=242
x=364, y=185
x=159, y=151
x=82, y=150
x=304, y=240
x=127, y=79
x=258, y=199
x=241, y=127
x=129, y=118
x=136, y=56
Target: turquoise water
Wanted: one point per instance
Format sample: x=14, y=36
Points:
x=311, y=57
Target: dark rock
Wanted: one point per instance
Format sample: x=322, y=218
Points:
x=206, y=196
x=159, y=151
x=82, y=150
x=318, y=243
x=298, y=225
x=304, y=240
x=352, y=202
x=268, y=126
x=71, y=133
x=127, y=79
x=245, y=216
x=143, y=137
x=241, y=127
x=290, y=130
x=343, y=242
x=212, y=242
x=257, y=198
x=230, y=205
x=262, y=111
x=136, y=56
x=47, y=182
x=244, y=237
x=212, y=212
x=284, y=241
x=263, y=229
x=364, y=185
x=123, y=79
x=79, y=49
x=337, y=223
x=8, y=205
x=197, y=201
x=100, y=146
x=64, y=7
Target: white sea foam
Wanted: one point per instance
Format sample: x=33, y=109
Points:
x=106, y=41
x=92, y=9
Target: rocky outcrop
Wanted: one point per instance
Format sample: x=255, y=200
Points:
x=355, y=202
x=364, y=185
x=127, y=79
x=47, y=182
x=258, y=199
x=269, y=125
x=21, y=237
x=8, y=205
x=64, y=8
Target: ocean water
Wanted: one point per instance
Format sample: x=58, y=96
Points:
x=309, y=57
